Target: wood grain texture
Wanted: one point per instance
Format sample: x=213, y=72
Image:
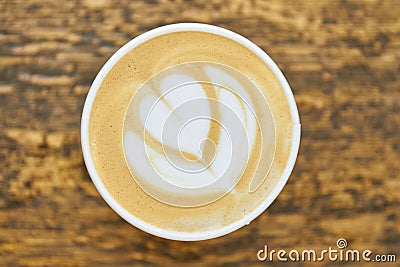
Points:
x=341, y=59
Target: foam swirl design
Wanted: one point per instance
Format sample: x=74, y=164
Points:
x=192, y=131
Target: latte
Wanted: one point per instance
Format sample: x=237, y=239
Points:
x=191, y=131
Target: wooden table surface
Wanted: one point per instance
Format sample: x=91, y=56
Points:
x=341, y=59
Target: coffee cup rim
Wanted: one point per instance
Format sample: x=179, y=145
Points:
x=129, y=217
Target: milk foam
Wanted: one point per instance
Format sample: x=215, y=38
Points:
x=189, y=132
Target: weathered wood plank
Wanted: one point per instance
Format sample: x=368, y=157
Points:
x=341, y=59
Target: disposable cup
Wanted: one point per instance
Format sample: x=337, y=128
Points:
x=129, y=217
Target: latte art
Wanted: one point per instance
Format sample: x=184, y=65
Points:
x=190, y=131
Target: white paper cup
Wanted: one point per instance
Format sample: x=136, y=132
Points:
x=174, y=235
